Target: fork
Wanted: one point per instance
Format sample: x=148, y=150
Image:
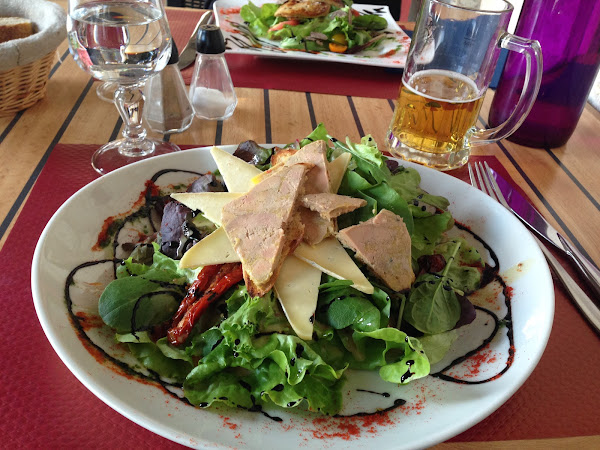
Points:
x=482, y=179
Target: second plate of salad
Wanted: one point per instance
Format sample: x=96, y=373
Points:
x=342, y=32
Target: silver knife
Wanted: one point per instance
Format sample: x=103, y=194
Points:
x=188, y=54
x=536, y=222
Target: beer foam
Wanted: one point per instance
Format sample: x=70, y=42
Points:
x=440, y=74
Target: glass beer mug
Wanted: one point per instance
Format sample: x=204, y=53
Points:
x=451, y=61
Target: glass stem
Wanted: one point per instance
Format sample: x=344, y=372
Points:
x=129, y=100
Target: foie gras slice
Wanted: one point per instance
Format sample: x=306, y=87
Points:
x=316, y=227
x=264, y=226
x=317, y=178
x=329, y=206
x=383, y=244
x=320, y=210
x=315, y=154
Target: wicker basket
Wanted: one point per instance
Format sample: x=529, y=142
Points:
x=23, y=86
x=25, y=63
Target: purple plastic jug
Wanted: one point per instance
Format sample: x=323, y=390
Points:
x=569, y=34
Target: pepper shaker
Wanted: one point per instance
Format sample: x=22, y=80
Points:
x=167, y=106
x=211, y=90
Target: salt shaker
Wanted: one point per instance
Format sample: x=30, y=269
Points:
x=211, y=89
x=167, y=108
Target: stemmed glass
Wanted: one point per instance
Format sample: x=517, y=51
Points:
x=106, y=91
x=124, y=42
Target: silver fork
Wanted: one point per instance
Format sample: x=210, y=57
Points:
x=482, y=179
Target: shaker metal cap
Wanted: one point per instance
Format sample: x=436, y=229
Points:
x=174, y=59
x=210, y=40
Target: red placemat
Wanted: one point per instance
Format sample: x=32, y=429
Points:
x=46, y=406
x=265, y=72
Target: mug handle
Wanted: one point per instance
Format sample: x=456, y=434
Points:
x=532, y=51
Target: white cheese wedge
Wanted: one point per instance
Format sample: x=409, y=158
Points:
x=297, y=288
x=337, y=169
x=213, y=249
x=330, y=257
x=237, y=173
x=210, y=203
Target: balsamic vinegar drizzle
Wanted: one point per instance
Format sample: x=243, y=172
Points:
x=144, y=212
x=77, y=323
x=383, y=394
x=397, y=403
x=489, y=275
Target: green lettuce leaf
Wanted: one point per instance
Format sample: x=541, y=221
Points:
x=318, y=134
x=437, y=345
x=401, y=358
x=158, y=357
x=406, y=181
x=370, y=22
x=465, y=273
x=432, y=306
x=143, y=296
x=250, y=363
x=342, y=306
x=427, y=233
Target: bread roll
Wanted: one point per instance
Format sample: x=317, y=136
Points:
x=14, y=28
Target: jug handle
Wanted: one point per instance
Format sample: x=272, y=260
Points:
x=533, y=54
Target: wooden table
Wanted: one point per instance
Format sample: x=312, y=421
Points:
x=563, y=183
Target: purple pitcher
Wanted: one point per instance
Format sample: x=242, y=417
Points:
x=569, y=33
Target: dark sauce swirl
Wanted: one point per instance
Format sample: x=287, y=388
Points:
x=145, y=212
x=490, y=274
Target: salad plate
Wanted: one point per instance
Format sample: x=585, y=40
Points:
x=239, y=39
x=489, y=360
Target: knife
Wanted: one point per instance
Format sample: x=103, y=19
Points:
x=188, y=54
x=535, y=221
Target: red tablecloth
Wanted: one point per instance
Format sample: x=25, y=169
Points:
x=45, y=406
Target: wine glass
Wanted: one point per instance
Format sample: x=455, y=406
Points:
x=106, y=91
x=125, y=42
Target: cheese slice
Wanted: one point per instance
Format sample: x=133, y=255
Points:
x=210, y=203
x=237, y=173
x=297, y=288
x=337, y=169
x=213, y=249
x=267, y=173
x=330, y=257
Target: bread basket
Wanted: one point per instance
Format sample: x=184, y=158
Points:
x=26, y=63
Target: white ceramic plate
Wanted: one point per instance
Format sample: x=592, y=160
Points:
x=239, y=39
x=435, y=410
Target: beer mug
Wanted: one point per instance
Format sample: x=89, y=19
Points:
x=451, y=61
